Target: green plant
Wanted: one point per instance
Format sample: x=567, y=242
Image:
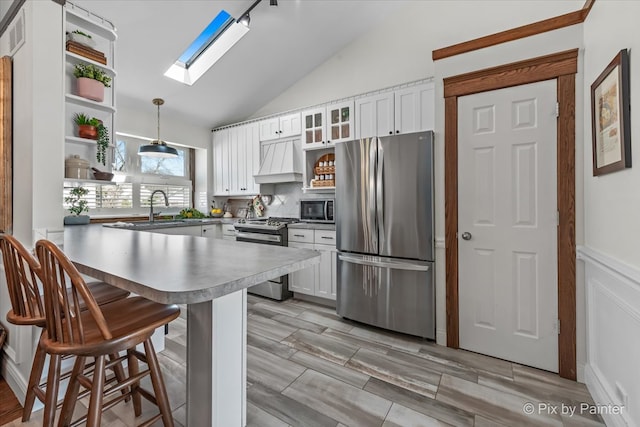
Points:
x=83, y=119
x=102, y=142
x=92, y=72
x=81, y=33
x=77, y=205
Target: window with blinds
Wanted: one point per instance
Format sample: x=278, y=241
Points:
x=179, y=195
x=105, y=196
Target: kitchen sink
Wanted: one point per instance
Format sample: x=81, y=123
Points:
x=141, y=225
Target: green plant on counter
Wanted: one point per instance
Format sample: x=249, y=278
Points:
x=92, y=72
x=191, y=213
x=77, y=205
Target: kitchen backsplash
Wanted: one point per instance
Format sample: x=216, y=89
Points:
x=285, y=201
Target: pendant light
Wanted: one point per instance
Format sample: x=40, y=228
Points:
x=157, y=148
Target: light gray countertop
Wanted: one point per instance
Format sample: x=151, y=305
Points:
x=313, y=226
x=167, y=223
x=177, y=269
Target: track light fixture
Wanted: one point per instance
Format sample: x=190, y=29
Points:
x=273, y=2
x=245, y=19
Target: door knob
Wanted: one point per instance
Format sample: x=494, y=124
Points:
x=466, y=236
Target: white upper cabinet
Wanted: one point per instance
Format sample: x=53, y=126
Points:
x=280, y=127
x=324, y=126
x=414, y=108
x=236, y=158
x=375, y=115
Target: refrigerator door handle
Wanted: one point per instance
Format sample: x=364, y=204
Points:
x=380, y=196
x=384, y=263
x=371, y=230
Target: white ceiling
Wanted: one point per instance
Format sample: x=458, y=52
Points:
x=285, y=43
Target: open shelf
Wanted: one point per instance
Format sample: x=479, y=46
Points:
x=89, y=103
x=319, y=189
x=75, y=182
x=74, y=58
x=87, y=20
x=78, y=140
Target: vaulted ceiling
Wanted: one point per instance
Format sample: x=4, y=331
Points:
x=285, y=43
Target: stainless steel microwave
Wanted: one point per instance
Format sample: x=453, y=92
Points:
x=317, y=210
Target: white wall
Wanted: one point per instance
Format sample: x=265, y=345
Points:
x=399, y=50
x=38, y=154
x=612, y=226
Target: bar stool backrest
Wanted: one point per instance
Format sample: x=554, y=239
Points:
x=22, y=272
x=64, y=321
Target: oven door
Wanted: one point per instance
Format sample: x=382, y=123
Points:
x=276, y=288
x=262, y=238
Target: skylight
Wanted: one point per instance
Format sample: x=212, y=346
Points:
x=217, y=38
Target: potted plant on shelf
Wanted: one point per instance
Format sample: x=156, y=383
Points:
x=82, y=38
x=77, y=206
x=93, y=128
x=91, y=81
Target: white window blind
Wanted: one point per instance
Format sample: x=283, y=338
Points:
x=101, y=196
x=179, y=195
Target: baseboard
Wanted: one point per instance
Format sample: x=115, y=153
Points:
x=15, y=380
x=602, y=396
x=316, y=300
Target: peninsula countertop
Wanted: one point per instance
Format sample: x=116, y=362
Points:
x=174, y=268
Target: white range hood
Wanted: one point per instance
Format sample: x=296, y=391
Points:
x=281, y=162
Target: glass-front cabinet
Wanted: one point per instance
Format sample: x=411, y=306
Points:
x=340, y=126
x=324, y=126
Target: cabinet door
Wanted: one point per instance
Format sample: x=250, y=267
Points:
x=192, y=230
x=212, y=231
x=252, y=150
x=313, y=128
x=414, y=108
x=236, y=160
x=326, y=284
x=303, y=281
x=290, y=125
x=374, y=115
x=221, y=163
x=270, y=129
x=340, y=122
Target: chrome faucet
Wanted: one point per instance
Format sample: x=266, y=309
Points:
x=166, y=203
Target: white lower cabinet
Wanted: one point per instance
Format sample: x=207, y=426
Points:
x=228, y=232
x=191, y=230
x=212, y=231
x=304, y=280
x=319, y=280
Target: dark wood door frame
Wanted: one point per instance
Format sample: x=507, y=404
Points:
x=563, y=67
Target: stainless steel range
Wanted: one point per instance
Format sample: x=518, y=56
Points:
x=267, y=231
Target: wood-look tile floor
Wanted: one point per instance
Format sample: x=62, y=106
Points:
x=308, y=367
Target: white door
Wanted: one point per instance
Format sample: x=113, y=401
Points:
x=507, y=224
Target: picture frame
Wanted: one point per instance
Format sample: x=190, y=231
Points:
x=610, y=117
x=241, y=213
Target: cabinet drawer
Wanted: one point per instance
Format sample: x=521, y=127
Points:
x=325, y=237
x=228, y=230
x=300, y=235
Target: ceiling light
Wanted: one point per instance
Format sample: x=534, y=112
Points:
x=245, y=20
x=157, y=148
x=273, y=2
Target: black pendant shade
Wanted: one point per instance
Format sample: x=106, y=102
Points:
x=157, y=148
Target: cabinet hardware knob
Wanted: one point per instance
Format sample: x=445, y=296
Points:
x=397, y=131
x=328, y=142
x=390, y=132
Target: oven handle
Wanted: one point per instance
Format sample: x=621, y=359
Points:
x=258, y=236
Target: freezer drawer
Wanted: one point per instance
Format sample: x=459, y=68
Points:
x=389, y=293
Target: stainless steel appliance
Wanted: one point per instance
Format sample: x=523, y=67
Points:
x=384, y=231
x=267, y=231
x=317, y=210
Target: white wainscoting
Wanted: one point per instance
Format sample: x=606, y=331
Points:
x=612, y=373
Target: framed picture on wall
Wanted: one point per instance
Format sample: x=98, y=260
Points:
x=610, y=117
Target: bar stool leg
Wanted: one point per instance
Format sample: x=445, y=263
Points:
x=158, y=383
x=118, y=370
x=97, y=386
x=71, y=396
x=34, y=382
x=51, y=399
x=135, y=394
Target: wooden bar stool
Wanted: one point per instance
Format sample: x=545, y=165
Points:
x=97, y=333
x=23, y=275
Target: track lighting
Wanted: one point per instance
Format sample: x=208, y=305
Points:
x=245, y=20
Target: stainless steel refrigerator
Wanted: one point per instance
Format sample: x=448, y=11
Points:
x=384, y=226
